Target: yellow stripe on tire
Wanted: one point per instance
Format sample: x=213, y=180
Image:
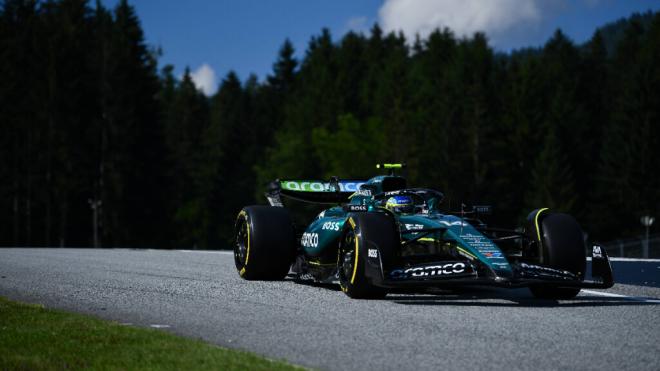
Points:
x=357, y=249
x=247, y=253
x=536, y=223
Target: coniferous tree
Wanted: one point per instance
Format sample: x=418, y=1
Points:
x=474, y=121
x=232, y=133
x=186, y=119
x=22, y=23
x=313, y=103
x=69, y=111
x=87, y=119
x=551, y=179
x=351, y=68
x=561, y=128
x=628, y=180
x=284, y=70
x=132, y=138
x=374, y=55
x=269, y=101
x=8, y=132
x=432, y=108
x=596, y=93
x=391, y=99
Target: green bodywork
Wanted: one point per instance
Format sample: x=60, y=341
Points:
x=320, y=240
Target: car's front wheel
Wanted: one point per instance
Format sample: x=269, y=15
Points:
x=364, y=232
x=563, y=248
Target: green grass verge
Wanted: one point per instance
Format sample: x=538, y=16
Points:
x=35, y=338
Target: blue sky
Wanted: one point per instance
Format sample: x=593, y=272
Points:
x=213, y=37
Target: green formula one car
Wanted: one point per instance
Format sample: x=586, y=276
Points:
x=382, y=236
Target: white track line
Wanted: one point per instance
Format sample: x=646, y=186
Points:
x=635, y=260
x=611, y=295
x=631, y=260
x=221, y=252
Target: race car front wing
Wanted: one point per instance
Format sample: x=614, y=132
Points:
x=459, y=273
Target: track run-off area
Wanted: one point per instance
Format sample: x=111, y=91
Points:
x=199, y=294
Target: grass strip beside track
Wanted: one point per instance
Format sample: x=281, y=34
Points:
x=35, y=338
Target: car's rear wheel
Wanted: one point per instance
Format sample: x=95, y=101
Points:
x=363, y=231
x=264, y=244
x=562, y=248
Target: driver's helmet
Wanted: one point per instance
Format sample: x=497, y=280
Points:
x=400, y=204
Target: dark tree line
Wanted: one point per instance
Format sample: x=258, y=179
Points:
x=89, y=120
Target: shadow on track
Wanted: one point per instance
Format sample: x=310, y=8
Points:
x=475, y=297
x=311, y=283
x=483, y=296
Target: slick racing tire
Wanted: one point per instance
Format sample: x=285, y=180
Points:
x=264, y=243
x=362, y=232
x=563, y=248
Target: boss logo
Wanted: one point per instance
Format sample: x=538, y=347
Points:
x=357, y=208
x=331, y=226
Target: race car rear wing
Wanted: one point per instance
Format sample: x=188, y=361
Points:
x=314, y=191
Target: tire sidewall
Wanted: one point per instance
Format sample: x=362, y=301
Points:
x=371, y=230
x=563, y=248
x=271, y=246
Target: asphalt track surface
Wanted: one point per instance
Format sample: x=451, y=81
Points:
x=200, y=295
